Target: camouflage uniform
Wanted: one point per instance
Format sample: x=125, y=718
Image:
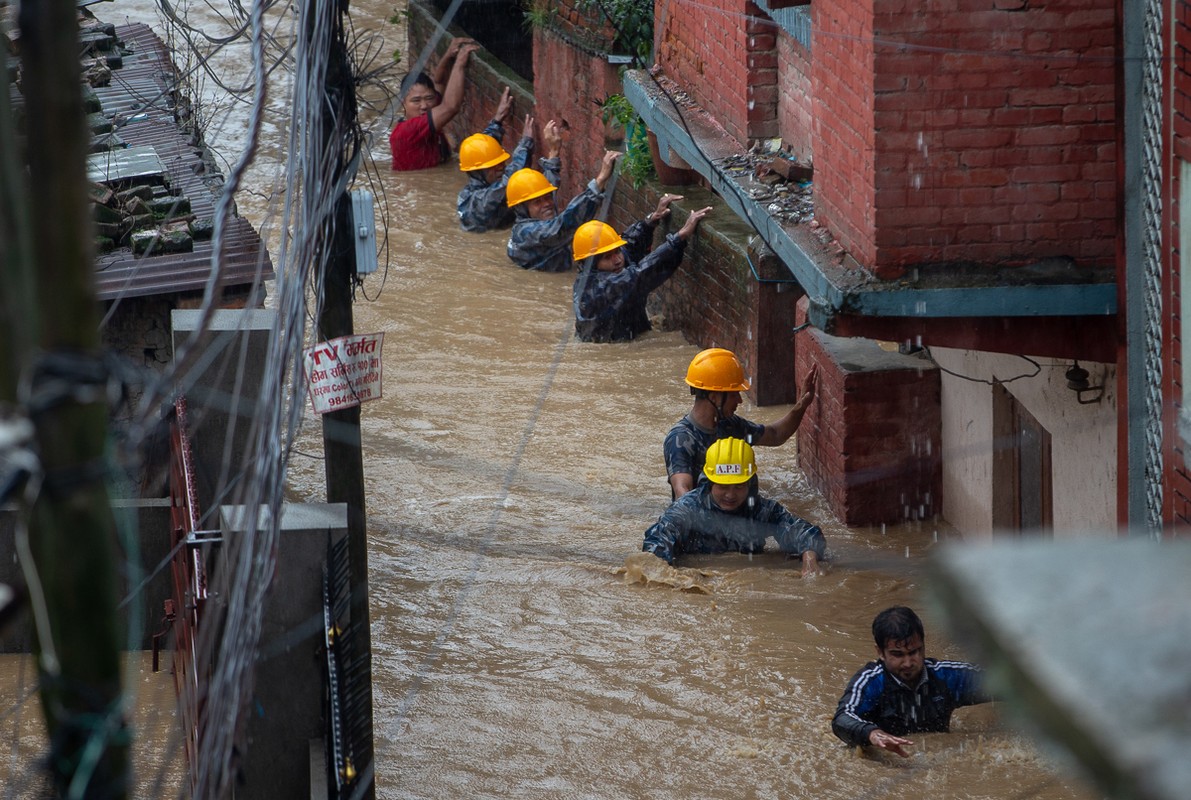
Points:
x=545, y=244
x=685, y=448
x=610, y=306
x=481, y=204
x=695, y=524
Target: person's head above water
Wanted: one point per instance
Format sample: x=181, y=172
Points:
x=731, y=467
x=531, y=187
x=901, y=643
x=418, y=94
x=600, y=241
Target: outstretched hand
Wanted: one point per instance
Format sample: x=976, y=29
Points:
x=810, y=564
x=663, y=209
x=887, y=741
x=692, y=222
x=456, y=45
x=527, y=131
x=606, y=166
x=809, y=384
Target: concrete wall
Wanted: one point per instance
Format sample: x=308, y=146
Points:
x=1084, y=439
x=288, y=703
x=221, y=393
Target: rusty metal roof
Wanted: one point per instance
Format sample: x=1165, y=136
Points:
x=141, y=97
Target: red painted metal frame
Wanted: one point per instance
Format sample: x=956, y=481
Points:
x=190, y=585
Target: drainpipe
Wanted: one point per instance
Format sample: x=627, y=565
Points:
x=1143, y=364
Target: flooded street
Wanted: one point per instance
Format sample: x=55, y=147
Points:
x=523, y=646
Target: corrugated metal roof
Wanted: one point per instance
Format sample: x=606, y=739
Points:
x=141, y=96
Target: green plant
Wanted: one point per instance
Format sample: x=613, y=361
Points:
x=637, y=163
x=536, y=16
x=633, y=22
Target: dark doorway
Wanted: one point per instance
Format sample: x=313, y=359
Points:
x=1021, y=468
x=500, y=26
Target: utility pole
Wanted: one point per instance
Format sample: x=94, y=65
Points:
x=341, y=429
x=55, y=345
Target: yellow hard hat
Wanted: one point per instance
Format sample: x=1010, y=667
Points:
x=595, y=237
x=730, y=461
x=716, y=370
x=526, y=184
x=480, y=151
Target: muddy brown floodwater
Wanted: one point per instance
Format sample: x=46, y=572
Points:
x=523, y=646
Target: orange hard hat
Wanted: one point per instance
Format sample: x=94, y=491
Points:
x=595, y=237
x=716, y=370
x=526, y=184
x=480, y=151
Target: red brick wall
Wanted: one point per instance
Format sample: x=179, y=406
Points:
x=705, y=50
x=794, y=109
x=871, y=442
x=994, y=130
x=843, y=132
x=1177, y=513
x=570, y=84
x=583, y=24
x=762, y=77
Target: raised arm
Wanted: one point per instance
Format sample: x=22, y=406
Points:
x=504, y=107
x=452, y=99
x=552, y=139
x=778, y=433
x=442, y=70
x=607, y=164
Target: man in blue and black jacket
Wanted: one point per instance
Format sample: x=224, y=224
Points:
x=903, y=691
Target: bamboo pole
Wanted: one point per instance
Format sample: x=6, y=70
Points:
x=70, y=522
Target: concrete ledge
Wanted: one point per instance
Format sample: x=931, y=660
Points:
x=1098, y=666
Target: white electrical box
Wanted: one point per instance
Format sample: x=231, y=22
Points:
x=364, y=226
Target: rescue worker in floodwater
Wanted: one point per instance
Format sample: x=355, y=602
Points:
x=726, y=513
x=417, y=140
x=541, y=235
x=482, y=204
x=617, y=274
x=716, y=380
x=903, y=691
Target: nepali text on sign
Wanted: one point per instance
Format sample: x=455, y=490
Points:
x=344, y=372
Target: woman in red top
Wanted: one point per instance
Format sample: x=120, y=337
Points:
x=417, y=140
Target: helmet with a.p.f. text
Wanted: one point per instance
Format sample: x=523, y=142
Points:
x=526, y=184
x=716, y=370
x=730, y=461
x=480, y=151
x=593, y=238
